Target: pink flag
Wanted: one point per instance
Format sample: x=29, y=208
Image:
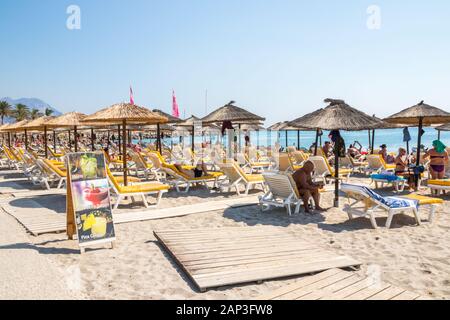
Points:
x=175, y=111
x=131, y=96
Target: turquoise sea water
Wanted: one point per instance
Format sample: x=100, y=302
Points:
x=393, y=138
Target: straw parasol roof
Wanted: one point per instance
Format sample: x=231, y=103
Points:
x=70, y=119
x=171, y=118
x=254, y=126
x=285, y=125
x=38, y=124
x=445, y=127
x=230, y=112
x=337, y=116
x=18, y=126
x=428, y=114
x=130, y=113
x=5, y=127
x=189, y=122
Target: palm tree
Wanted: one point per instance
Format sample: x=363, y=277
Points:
x=48, y=112
x=35, y=113
x=5, y=109
x=21, y=112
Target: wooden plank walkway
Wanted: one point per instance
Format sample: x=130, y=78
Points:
x=37, y=219
x=337, y=284
x=227, y=256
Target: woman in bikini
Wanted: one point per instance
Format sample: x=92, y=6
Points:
x=401, y=167
x=438, y=159
x=199, y=171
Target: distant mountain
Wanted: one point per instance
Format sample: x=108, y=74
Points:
x=32, y=103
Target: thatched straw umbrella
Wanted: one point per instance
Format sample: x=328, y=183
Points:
x=19, y=126
x=230, y=112
x=69, y=120
x=338, y=115
x=419, y=115
x=189, y=124
x=170, y=120
x=444, y=127
x=285, y=126
x=383, y=125
x=40, y=124
x=123, y=114
x=4, y=128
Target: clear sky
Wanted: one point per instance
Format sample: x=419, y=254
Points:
x=279, y=59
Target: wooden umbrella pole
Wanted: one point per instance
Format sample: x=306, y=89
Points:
x=70, y=143
x=419, y=142
x=92, y=140
x=336, y=173
x=439, y=134
x=286, y=138
x=118, y=137
x=45, y=142
x=9, y=139
x=298, y=139
x=317, y=141
x=108, y=139
x=373, y=142
x=75, y=135
x=240, y=142
x=158, y=138
x=26, y=140
x=54, y=141
x=370, y=141
x=193, y=138
x=124, y=153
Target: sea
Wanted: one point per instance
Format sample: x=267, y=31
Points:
x=393, y=138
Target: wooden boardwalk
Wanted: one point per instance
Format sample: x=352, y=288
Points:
x=337, y=284
x=37, y=219
x=227, y=256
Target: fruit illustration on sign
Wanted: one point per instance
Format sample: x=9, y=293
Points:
x=88, y=166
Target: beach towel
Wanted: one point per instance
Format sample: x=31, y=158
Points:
x=391, y=202
x=387, y=177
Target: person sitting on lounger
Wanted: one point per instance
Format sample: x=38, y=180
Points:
x=438, y=159
x=401, y=167
x=199, y=171
x=353, y=152
x=386, y=157
x=306, y=187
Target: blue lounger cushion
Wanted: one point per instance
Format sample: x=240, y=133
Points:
x=387, y=177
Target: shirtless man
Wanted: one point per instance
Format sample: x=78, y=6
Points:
x=306, y=187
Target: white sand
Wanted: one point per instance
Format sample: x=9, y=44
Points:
x=413, y=257
x=25, y=271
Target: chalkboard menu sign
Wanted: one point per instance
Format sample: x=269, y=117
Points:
x=88, y=200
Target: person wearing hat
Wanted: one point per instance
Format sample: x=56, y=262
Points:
x=438, y=159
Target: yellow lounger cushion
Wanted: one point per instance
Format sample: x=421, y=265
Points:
x=260, y=164
x=423, y=200
x=211, y=175
x=443, y=182
x=120, y=179
x=254, y=177
x=146, y=187
x=57, y=163
x=344, y=171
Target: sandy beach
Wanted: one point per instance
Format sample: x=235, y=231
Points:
x=412, y=257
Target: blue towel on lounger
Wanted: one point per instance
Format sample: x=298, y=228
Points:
x=391, y=202
x=387, y=177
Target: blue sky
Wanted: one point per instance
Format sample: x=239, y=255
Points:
x=279, y=59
